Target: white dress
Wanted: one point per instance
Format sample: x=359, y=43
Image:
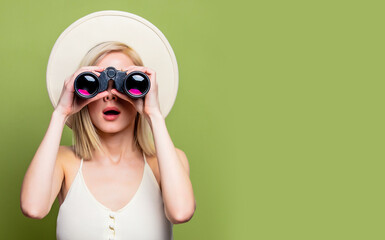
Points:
x=82, y=217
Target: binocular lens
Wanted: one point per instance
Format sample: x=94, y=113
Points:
x=137, y=84
x=87, y=85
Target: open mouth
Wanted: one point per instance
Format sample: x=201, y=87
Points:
x=111, y=112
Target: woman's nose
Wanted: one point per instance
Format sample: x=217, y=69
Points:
x=110, y=95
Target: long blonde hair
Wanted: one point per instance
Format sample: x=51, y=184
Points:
x=84, y=132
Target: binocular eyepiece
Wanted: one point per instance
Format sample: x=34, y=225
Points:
x=136, y=84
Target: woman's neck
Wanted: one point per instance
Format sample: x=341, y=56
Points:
x=118, y=147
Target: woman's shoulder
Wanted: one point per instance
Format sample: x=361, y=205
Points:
x=66, y=152
x=153, y=160
x=66, y=149
x=66, y=155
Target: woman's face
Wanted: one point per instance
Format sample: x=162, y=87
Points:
x=110, y=122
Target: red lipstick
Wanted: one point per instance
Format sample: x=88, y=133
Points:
x=111, y=113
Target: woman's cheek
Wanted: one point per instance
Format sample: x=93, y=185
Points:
x=94, y=116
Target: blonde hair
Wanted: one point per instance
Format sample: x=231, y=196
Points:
x=84, y=132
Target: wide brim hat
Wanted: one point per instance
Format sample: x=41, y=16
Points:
x=136, y=32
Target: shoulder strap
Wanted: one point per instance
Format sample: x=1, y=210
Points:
x=81, y=164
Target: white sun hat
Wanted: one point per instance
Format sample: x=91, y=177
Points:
x=136, y=32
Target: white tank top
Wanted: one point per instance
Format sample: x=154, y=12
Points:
x=82, y=217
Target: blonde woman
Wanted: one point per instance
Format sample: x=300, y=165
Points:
x=123, y=178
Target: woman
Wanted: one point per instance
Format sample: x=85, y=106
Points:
x=123, y=178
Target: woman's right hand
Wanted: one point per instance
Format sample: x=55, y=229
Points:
x=68, y=104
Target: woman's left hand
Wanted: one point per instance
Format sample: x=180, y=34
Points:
x=148, y=105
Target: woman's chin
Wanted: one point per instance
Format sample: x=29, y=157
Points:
x=111, y=128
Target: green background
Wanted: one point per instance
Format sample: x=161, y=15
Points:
x=279, y=111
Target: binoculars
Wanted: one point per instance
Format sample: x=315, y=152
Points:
x=136, y=84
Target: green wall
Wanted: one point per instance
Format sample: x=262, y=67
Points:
x=279, y=111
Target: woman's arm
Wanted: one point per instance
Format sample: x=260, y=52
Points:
x=177, y=191
x=44, y=176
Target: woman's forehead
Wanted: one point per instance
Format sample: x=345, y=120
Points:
x=117, y=60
